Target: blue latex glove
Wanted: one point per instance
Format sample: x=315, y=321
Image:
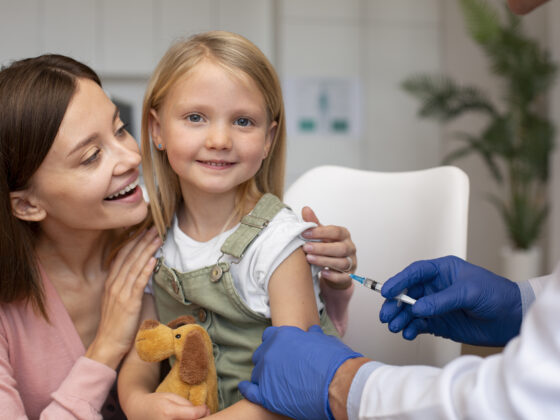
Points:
x=456, y=300
x=293, y=371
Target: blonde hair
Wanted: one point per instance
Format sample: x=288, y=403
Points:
x=234, y=53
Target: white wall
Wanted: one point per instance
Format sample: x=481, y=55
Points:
x=553, y=17
x=465, y=62
x=124, y=39
x=377, y=42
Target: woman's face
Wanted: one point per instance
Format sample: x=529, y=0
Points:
x=88, y=180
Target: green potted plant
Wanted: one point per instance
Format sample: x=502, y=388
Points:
x=516, y=141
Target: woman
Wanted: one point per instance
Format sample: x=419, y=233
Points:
x=74, y=254
x=67, y=316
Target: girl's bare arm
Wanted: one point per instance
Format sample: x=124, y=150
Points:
x=247, y=411
x=290, y=289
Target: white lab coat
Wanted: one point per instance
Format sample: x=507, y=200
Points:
x=523, y=382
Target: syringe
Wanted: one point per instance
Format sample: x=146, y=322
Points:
x=376, y=285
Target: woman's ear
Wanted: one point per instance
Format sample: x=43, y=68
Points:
x=155, y=130
x=270, y=137
x=25, y=207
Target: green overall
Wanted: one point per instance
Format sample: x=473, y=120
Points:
x=210, y=296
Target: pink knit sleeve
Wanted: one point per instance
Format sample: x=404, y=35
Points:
x=43, y=373
x=80, y=396
x=336, y=302
x=84, y=390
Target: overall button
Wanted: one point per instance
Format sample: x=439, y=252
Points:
x=158, y=265
x=202, y=315
x=216, y=273
x=175, y=286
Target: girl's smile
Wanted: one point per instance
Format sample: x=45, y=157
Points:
x=217, y=165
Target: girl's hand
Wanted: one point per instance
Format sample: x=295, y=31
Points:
x=164, y=405
x=336, y=251
x=122, y=299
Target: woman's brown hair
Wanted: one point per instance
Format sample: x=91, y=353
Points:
x=34, y=96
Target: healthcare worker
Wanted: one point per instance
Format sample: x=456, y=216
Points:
x=309, y=375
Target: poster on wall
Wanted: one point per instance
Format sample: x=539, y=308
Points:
x=323, y=107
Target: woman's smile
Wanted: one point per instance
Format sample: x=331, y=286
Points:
x=130, y=193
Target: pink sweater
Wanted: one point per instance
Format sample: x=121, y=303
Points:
x=336, y=302
x=43, y=371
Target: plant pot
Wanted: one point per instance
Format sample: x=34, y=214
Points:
x=521, y=264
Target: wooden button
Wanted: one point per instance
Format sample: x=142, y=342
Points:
x=175, y=287
x=158, y=265
x=202, y=315
x=216, y=273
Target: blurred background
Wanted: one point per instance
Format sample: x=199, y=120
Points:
x=339, y=61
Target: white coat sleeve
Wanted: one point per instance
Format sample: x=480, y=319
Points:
x=523, y=382
x=539, y=283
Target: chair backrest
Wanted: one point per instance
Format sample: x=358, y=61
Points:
x=394, y=218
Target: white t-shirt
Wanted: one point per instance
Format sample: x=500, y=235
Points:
x=252, y=273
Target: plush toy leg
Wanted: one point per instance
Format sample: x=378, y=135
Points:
x=172, y=383
x=198, y=393
x=212, y=399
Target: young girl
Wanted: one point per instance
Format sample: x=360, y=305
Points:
x=232, y=257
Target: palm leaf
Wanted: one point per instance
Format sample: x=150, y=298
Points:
x=483, y=22
x=475, y=145
x=443, y=99
x=515, y=141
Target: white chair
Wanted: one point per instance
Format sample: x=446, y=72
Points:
x=394, y=218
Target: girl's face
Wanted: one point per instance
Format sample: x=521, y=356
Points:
x=89, y=177
x=214, y=127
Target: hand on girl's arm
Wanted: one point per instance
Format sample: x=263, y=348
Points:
x=335, y=251
x=122, y=299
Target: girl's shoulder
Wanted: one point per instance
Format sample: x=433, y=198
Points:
x=285, y=225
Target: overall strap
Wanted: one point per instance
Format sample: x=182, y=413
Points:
x=251, y=225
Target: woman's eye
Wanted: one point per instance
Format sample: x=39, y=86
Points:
x=121, y=131
x=243, y=122
x=92, y=158
x=195, y=118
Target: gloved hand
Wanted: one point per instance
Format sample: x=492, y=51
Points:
x=293, y=371
x=456, y=300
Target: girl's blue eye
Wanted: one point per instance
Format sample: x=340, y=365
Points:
x=194, y=118
x=243, y=122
